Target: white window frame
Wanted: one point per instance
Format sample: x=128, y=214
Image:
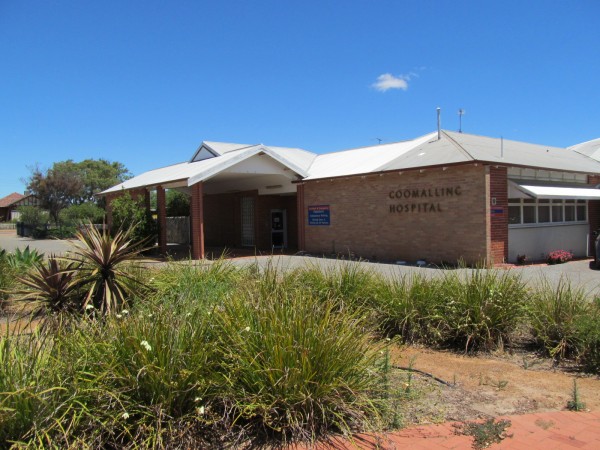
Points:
x=514, y=202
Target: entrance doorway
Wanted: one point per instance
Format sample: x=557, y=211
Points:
x=278, y=228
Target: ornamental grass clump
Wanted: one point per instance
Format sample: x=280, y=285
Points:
x=556, y=315
x=409, y=306
x=566, y=324
x=150, y=379
x=181, y=285
x=297, y=366
x=25, y=375
x=481, y=309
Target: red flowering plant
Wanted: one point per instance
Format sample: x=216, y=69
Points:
x=559, y=257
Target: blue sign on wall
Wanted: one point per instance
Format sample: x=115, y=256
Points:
x=318, y=215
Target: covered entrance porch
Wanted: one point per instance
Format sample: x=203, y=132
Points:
x=250, y=207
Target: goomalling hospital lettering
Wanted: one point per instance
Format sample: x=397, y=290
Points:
x=421, y=200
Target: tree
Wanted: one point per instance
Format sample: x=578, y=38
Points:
x=131, y=213
x=70, y=183
x=178, y=204
x=54, y=189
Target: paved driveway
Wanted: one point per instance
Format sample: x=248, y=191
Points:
x=579, y=273
x=9, y=241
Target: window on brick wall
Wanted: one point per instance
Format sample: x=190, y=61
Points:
x=530, y=211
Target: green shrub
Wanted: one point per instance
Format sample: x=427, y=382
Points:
x=24, y=259
x=131, y=213
x=7, y=278
x=81, y=214
x=103, y=268
x=33, y=216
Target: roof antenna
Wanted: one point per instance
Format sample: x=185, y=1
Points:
x=379, y=141
x=461, y=112
x=439, y=120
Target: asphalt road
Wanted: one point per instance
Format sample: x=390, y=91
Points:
x=578, y=273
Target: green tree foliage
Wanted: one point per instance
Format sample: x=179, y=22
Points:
x=178, y=204
x=86, y=212
x=32, y=215
x=74, y=183
x=129, y=212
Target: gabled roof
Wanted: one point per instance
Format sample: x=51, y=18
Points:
x=425, y=151
x=451, y=148
x=228, y=155
x=361, y=160
x=589, y=148
x=11, y=199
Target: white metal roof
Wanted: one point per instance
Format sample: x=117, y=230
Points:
x=361, y=160
x=451, y=148
x=424, y=151
x=558, y=192
x=190, y=173
x=589, y=148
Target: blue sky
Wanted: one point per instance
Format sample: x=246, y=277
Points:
x=145, y=82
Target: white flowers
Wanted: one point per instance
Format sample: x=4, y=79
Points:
x=247, y=329
x=200, y=410
x=125, y=312
x=125, y=415
x=118, y=316
x=89, y=306
x=146, y=346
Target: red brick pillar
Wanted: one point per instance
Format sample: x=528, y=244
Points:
x=197, y=221
x=161, y=212
x=499, y=214
x=301, y=218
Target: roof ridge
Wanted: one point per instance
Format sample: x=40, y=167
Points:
x=458, y=146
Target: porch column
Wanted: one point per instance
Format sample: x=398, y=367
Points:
x=161, y=211
x=197, y=221
x=300, y=214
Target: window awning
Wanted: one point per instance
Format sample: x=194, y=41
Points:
x=557, y=192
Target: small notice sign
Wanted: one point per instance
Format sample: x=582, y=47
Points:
x=319, y=215
x=497, y=211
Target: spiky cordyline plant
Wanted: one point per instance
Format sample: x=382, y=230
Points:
x=51, y=286
x=103, y=272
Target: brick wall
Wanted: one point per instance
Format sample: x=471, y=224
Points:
x=367, y=222
x=593, y=214
x=222, y=219
x=498, y=188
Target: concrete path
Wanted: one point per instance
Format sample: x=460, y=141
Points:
x=548, y=431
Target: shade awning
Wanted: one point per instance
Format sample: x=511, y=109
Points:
x=558, y=192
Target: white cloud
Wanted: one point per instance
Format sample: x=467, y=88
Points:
x=388, y=81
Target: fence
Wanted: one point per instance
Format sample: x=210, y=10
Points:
x=178, y=230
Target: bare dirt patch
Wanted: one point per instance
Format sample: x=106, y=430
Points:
x=486, y=386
